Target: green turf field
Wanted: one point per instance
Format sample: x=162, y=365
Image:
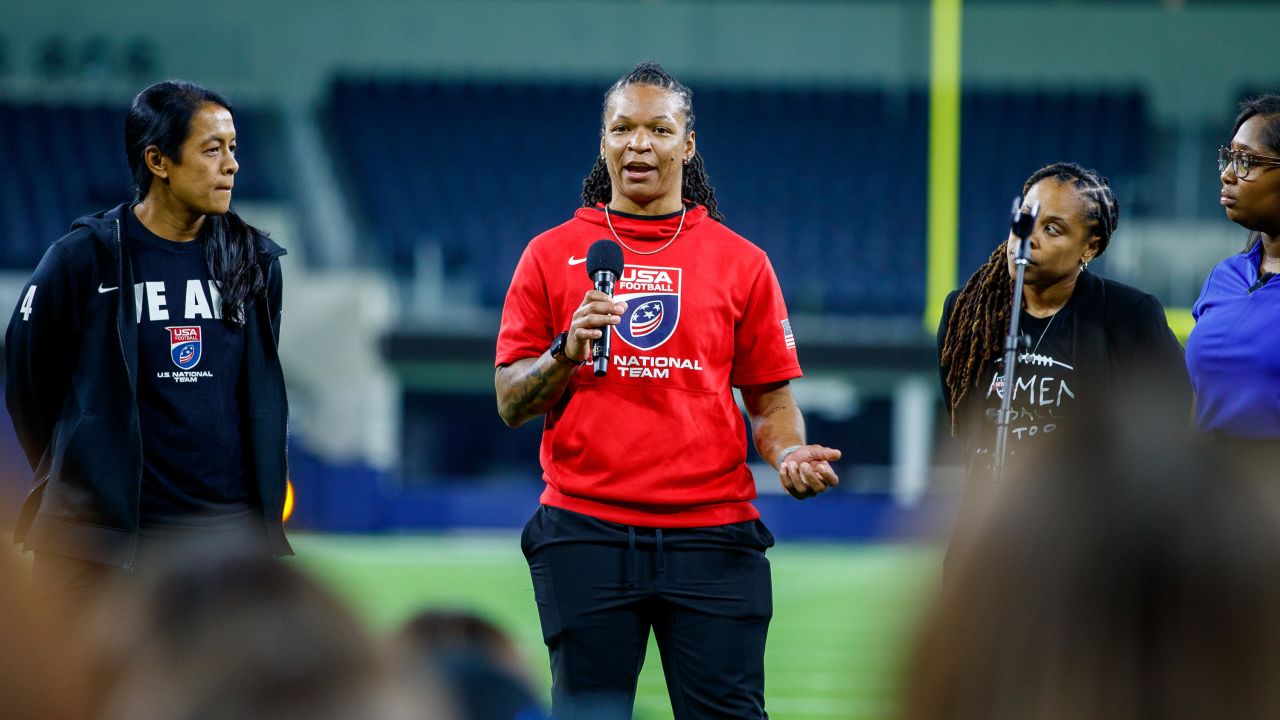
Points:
x=842, y=613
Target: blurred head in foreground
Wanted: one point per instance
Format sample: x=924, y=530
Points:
x=241, y=637
x=478, y=662
x=1138, y=579
x=37, y=678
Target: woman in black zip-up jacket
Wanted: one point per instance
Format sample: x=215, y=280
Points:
x=143, y=375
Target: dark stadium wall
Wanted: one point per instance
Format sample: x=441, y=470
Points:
x=354, y=498
x=283, y=49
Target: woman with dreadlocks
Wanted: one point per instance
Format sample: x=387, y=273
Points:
x=143, y=378
x=1092, y=340
x=1233, y=353
x=646, y=521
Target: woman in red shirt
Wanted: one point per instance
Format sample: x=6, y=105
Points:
x=646, y=521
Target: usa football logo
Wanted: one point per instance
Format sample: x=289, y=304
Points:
x=652, y=295
x=184, y=346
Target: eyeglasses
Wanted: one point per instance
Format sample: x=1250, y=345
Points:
x=1242, y=162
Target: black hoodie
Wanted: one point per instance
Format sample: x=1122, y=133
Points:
x=71, y=350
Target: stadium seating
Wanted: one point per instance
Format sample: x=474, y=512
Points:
x=479, y=168
x=831, y=182
x=63, y=161
x=1006, y=136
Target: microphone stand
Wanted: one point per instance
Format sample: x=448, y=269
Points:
x=1022, y=224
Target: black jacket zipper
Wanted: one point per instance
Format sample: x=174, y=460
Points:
x=133, y=390
x=275, y=342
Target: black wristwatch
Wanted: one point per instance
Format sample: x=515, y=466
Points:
x=559, y=350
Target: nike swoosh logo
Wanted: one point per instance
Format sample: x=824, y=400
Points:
x=102, y=289
x=576, y=261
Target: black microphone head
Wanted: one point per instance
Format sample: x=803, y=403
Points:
x=604, y=255
x=1023, y=223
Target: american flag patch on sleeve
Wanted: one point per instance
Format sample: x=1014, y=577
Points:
x=787, y=336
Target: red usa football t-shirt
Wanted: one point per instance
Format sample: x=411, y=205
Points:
x=659, y=441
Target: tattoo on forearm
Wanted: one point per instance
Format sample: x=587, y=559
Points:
x=775, y=410
x=533, y=388
x=539, y=387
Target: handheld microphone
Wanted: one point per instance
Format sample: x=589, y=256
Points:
x=604, y=267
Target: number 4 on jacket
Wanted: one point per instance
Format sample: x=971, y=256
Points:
x=27, y=303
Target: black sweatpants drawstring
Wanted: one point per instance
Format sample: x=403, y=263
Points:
x=662, y=557
x=633, y=557
x=632, y=560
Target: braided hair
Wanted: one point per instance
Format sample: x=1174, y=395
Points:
x=1268, y=108
x=980, y=317
x=597, y=187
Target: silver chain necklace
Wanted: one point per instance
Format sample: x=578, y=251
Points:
x=647, y=252
x=1045, y=331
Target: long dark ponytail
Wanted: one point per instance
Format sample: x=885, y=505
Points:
x=160, y=116
x=597, y=187
x=980, y=318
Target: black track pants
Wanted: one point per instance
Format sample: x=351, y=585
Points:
x=600, y=587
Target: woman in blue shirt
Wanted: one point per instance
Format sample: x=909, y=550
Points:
x=1233, y=353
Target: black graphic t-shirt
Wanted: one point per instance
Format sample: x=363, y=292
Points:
x=1045, y=391
x=189, y=364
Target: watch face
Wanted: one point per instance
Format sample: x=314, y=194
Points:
x=557, y=345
